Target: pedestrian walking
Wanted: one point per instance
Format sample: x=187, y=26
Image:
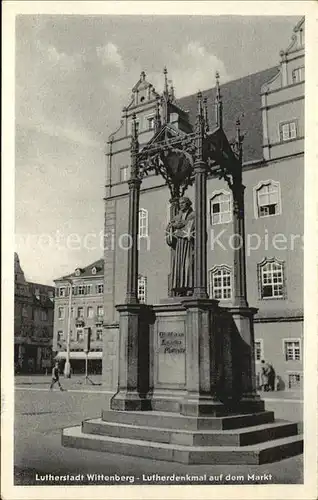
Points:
x=56, y=377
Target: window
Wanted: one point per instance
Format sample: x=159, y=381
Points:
x=220, y=283
x=72, y=312
x=80, y=312
x=44, y=315
x=142, y=289
x=61, y=312
x=24, y=312
x=88, y=289
x=90, y=312
x=268, y=199
x=37, y=293
x=220, y=208
x=80, y=335
x=100, y=288
x=271, y=279
x=99, y=334
x=74, y=290
x=294, y=381
x=124, y=173
x=288, y=131
x=143, y=222
x=100, y=311
x=258, y=350
x=298, y=74
x=150, y=122
x=292, y=350
x=62, y=291
x=81, y=290
x=60, y=336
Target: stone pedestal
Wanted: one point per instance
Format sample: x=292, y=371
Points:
x=133, y=380
x=201, y=359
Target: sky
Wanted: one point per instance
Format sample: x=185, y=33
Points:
x=74, y=74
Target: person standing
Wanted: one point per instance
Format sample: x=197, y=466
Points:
x=56, y=377
x=267, y=376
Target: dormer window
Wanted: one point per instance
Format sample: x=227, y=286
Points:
x=94, y=270
x=77, y=272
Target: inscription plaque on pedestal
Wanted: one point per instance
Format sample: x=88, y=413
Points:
x=171, y=353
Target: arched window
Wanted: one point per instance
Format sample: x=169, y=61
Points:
x=271, y=279
x=220, y=283
x=142, y=289
x=143, y=222
x=220, y=208
x=267, y=199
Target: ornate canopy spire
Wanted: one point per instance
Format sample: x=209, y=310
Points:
x=206, y=116
x=165, y=89
x=134, y=146
x=218, y=102
x=199, y=127
x=239, y=140
x=165, y=96
x=157, y=123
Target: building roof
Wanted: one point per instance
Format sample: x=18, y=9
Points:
x=241, y=99
x=86, y=272
x=43, y=288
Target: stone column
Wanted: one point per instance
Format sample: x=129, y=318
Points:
x=242, y=314
x=240, y=293
x=200, y=240
x=132, y=391
x=133, y=219
x=132, y=257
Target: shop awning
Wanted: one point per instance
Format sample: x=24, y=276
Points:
x=80, y=355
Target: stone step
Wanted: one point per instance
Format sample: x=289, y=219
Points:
x=239, y=437
x=169, y=420
x=260, y=453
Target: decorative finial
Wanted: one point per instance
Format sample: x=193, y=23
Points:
x=142, y=76
x=217, y=78
x=165, y=72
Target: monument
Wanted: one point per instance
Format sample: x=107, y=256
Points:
x=186, y=386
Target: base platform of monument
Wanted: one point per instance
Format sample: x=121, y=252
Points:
x=254, y=438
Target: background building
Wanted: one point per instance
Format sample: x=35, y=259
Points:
x=270, y=105
x=83, y=308
x=33, y=323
